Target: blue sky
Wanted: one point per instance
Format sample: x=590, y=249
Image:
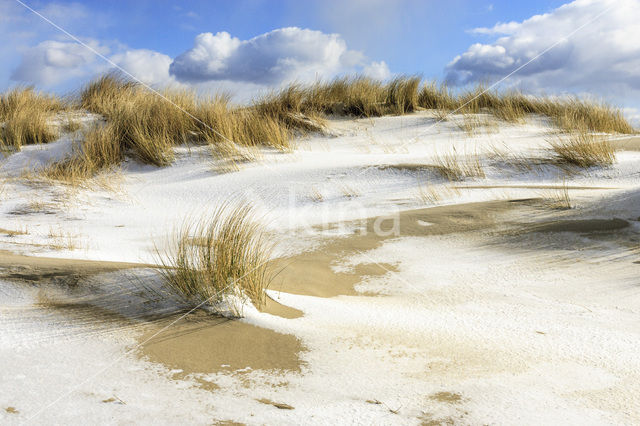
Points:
x=249, y=45
x=418, y=36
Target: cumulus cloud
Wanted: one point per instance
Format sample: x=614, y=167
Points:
x=217, y=62
x=377, y=70
x=145, y=65
x=603, y=57
x=277, y=56
x=51, y=62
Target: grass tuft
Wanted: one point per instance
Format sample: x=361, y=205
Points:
x=99, y=151
x=355, y=96
x=583, y=149
x=569, y=114
x=455, y=168
x=218, y=258
x=145, y=126
x=558, y=198
x=26, y=116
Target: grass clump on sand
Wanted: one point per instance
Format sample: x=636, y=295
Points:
x=356, y=96
x=568, y=114
x=455, y=168
x=583, y=149
x=99, y=151
x=26, y=116
x=217, y=260
x=147, y=125
x=364, y=97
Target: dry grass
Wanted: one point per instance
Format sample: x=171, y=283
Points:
x=583, y=149
x=61, y=240
x=581, y=115
x=213, y=260
x=71, y=125
x=34, y=206
x=147, y=127
x=569, y=114
x=364, y=97
x=21, y=230
x=430, y=194
x=503, y=158
x=558, y=198
x=473, y=124
x=512, y=108
x=315, y=195
x=98, y=152
x=469, y=124
x=27, y=115
x=453, y=167
x=355, y=96
x=228, y=157
x=349, y=191
x=431, y=96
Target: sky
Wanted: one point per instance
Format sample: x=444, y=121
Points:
x=589, y=47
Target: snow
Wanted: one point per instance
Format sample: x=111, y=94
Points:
x=342, y=168
x=516, y=333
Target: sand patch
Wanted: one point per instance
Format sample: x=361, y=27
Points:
x=630, y=144
x=314, y=273
x=201, y=343
x=448, y=397
x=279, y=405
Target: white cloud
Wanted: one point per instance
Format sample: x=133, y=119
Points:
x=216, y=62
x=633, y=115
x=272, y=58
x=51, y=62
x=377, y=70
x=145, y=65
x=500, y=28
x=603, y=57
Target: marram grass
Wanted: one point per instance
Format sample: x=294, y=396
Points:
x=148, y=126
x=217, y=258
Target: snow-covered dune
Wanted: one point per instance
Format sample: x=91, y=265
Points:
x=508, y=310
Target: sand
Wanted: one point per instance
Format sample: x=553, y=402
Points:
x=32, y=268
x=581, y=226
x=199, y=342
x=202, y=343
x=312, y=273
x=627, y=144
